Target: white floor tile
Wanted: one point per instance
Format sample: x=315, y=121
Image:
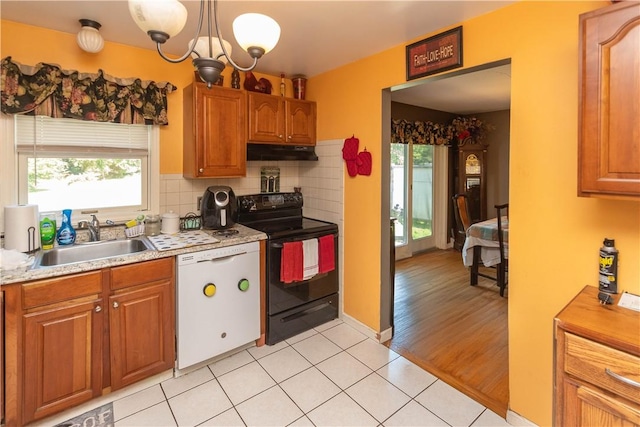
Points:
x=372, y=354
x=406, y=376
x=316, y=348
x=341, y=411
x=309, y=389
x=137, y=402
x=175, y=386
x=302, y=336
x=228, y=418
x=265, y=350
x=378, y=396
x=452, y=406
x=199, y=404
x=344, y=369
x=344, y=335
x=490, y=419
x=284, y=364
x=245, y=382
x=330, y=324
x=302, y=422
x=413, y=414
x=230, y=363
x=269, y=408
x=156, y=416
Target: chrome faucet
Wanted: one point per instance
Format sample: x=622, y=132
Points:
x=94, y=229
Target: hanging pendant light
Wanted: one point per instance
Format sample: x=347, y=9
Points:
x=163, y=19
x=89, y=38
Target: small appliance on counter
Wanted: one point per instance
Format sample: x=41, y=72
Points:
x=218, y=208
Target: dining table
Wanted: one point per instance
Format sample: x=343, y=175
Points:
x=481, y=245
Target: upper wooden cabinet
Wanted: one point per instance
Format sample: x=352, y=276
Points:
x=609, y=119
x=277, y=120
x=215, y=132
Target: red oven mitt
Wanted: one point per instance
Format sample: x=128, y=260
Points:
x=364, y=162
x=350, y=154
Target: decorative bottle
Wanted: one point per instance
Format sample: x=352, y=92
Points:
x=66, y=234
x=282, y=85
x=235, y=79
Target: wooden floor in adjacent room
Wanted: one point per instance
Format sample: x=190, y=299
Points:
x=454, y=331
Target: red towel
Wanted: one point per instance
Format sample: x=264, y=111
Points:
x=291, y=262
x=326, y=254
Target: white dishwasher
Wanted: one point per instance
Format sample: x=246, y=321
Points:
x=217, y=301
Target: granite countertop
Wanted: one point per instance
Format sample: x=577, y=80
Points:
x=244, y=235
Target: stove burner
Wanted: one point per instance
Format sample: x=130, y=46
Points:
x=225, y=233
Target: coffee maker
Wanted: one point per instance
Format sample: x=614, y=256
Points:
x=218, y=208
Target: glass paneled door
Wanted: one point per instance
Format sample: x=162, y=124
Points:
x=412, y=197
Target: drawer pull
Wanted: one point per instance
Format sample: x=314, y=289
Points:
x=620, y=378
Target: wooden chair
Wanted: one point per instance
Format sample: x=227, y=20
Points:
x=503, y=267
x=463, y=219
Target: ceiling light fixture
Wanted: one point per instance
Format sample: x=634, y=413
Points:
x=163, y=19
x=89, y=38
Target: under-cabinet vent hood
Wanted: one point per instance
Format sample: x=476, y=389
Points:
x=280, y=152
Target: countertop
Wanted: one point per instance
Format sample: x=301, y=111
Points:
x=244, y=235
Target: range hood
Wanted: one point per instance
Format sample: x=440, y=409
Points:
x=280, y=152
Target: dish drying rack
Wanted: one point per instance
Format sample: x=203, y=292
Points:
x=135, y=231
x=190, y=221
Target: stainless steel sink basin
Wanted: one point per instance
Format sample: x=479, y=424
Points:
x=91, y=251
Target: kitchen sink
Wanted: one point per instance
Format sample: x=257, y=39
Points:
x=91, y=251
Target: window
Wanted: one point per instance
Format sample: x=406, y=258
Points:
x=90, y=167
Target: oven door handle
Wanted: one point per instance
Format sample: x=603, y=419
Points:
x=276, y=245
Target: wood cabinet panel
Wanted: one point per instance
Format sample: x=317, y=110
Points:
x=609, y=120
x=141, y=325
x=215, y=132
x=278, y=120
x=590, y=341
x=49, y=291
x=141, y=273
x=301, y=122
x=62, y=362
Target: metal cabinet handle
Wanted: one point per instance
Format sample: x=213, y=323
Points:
x=115, y=304
x=201, y=170
x=98, y=309
x=289, y=137
x=620, y=378
x=280, y=136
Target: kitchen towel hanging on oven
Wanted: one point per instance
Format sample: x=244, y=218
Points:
x=309, y=258
x=326, y=254
x=291, y=263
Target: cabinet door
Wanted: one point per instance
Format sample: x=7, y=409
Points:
x=301, y=122
x=587, y=406
x=609, y=130
x=215, y=144
x=62, y=358
x=141, y=325
x=266, y=118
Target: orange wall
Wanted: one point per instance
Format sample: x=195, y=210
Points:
x=554, y=235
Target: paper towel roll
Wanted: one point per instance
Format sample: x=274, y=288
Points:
x=21, y=228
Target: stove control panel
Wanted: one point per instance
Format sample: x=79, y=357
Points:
x=269, y=201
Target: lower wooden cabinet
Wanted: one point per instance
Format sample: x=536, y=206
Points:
x=597, y=364
x=72, y=338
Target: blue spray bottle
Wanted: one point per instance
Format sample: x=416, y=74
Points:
x=66, y=234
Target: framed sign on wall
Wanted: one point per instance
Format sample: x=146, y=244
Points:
x=435, y=54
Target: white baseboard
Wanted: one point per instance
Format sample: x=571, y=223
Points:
x=518, y=420
x=381, y=337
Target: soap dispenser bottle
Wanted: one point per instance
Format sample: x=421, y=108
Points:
x=66, y=234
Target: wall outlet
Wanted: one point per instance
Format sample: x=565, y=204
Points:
x=199, y=203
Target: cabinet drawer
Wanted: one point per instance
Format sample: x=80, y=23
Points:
x=588, y=361
x=142, y=273
x=50, y=291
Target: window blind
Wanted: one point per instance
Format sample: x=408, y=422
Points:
x=46, y=134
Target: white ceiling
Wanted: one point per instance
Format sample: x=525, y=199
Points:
x=317, y=36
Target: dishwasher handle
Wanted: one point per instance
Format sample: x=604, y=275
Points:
x=222, y=257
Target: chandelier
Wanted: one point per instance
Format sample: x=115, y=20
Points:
x=163, y=19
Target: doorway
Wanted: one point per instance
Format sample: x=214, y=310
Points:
x=449, y=95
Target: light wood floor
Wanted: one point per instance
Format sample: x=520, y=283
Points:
x=454, y=331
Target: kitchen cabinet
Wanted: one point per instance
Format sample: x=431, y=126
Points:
x=65, y=346
x=609, y=116
x=278, y=120
x=215, y=132
x=597, y=361
x=54, y=343
x=141, y=321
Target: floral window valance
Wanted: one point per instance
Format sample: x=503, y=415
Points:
x=46, y=89
x=461, y=130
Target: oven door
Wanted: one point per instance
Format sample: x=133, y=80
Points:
x=284, y=296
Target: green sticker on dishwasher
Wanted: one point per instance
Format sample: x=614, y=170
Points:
x=243, y=285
